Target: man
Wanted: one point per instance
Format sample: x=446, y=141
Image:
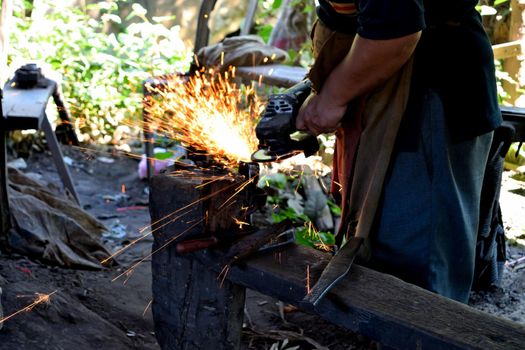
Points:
x=409, y=88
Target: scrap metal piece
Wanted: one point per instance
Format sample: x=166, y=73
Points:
x=251, y=244
x=337, y=268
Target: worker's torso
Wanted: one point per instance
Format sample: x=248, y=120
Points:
x=454, y=55
x=431, y=6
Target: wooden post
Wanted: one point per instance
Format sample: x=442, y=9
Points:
x=5, y=218
x=513, y=65
x=192, y=307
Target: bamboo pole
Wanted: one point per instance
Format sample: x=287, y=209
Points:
x=514, y=65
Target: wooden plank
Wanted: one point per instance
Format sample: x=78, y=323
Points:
x=382, y=307
x=513, y=65
x=273, y=74
x=507, y=50
x=24, y=108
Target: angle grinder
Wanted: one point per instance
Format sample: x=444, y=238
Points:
x=278, y=137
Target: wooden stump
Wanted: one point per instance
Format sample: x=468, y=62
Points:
x=192, y=308
x=5, y=218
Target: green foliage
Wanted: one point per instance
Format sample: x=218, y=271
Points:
x=515, y=157
x=314, y=239
x=334, y=208
x=287, y=204
x=102, y=71
x=279, y=186
x=287, y=213
x=499, y=2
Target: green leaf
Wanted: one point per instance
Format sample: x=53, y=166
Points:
x=276, y=4
x=334, y=208
x=163, y=155
x=264, y=32
x=308, y=238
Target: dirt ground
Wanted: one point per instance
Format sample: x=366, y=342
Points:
x=90, y=311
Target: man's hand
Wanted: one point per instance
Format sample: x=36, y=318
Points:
x=319, y=115
x=368, y=64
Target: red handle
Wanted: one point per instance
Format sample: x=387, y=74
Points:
x=195, y=244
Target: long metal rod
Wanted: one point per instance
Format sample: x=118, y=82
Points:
x=63, y=171
x=203, y=31
x=250, y=15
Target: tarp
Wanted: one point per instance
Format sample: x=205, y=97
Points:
x=245, y=50
x=52, y=228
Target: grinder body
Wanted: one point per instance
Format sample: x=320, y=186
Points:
x=278, y=137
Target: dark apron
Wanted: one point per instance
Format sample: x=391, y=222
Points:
x=366, y=138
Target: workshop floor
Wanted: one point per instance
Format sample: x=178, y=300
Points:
x=89, y=308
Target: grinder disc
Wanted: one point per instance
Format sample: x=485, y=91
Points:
x=265, y=156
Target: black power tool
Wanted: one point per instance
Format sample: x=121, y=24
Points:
x=276, y=131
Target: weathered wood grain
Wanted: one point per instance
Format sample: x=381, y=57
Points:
x=507, y=50
x=192, y=308
x=382, y=307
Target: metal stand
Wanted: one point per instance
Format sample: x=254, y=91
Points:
x=63, y=171
x=24, y=106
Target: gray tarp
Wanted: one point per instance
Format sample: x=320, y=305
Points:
x=246, y=50
x=51, y=227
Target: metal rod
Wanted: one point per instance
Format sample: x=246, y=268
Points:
x=63, y=171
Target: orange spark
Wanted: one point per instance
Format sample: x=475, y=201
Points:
x=240, y=222
x=315, y=234
x=206, y=112
x=181, y=209
x=123, y=188
x=135, y=241
x=147, y=307
x=222, y=275
x=212, y=180
x=171, y=240
x=237, y=191
x=40, y=299
x=307, y=279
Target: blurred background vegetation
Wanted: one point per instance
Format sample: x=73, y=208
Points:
x=104, y=50
x=102, y=63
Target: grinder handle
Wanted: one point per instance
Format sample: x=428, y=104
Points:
x=301, y=90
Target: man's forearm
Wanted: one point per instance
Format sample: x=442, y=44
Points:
x=368, y=64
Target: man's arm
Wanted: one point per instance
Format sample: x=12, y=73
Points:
x=367, y=65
